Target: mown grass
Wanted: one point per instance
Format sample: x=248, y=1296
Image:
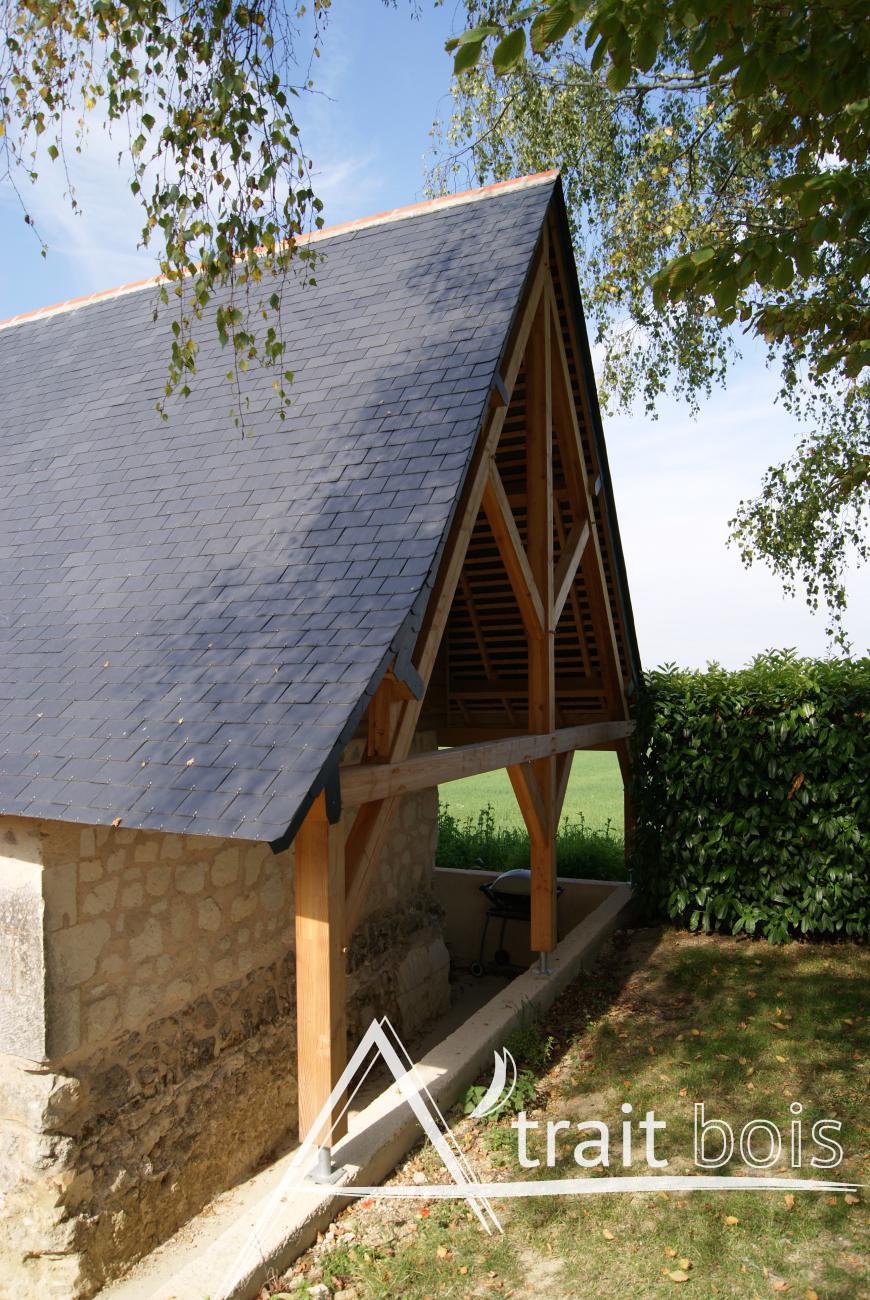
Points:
x=664, y=1021
x=594, y=793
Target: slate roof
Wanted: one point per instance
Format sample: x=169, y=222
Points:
x=191, y=622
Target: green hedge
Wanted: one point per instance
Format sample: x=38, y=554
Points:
x=752, y=797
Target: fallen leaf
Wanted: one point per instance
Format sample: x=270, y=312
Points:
x=670, y=1252
x=731, y=1219
x=464, y=1269
x=117, y=822
x=810, y=1294
x=780, y=1284
x=608, y=1235
x=442, y=1252
x=190, y=762
x=685, y=1263
x=852, y=1200
x=677, y=1275
x=789, y=1200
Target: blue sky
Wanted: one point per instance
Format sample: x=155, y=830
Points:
x=384, y=79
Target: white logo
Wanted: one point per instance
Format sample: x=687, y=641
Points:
x=382, y=1039
x=493, y=1100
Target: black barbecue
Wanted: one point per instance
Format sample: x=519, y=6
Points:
x=511, y=897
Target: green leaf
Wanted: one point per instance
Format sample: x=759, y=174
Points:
x=467, y=57
x=618, y=76
x=509, y=51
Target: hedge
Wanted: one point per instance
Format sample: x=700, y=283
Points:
x=751, y=795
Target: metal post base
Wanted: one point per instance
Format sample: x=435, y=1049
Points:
x=323, y=1172
x=543, y=970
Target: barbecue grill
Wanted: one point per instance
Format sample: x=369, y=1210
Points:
x=510, y=896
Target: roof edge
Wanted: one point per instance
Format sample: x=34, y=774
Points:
x=342, y=228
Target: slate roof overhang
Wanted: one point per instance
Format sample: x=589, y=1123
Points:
x=192, y=623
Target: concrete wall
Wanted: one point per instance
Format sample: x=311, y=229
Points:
x=147, y=1026
x=465, y=907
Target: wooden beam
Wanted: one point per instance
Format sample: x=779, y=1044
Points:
x=367, y=835
x=510, y=547
x=575, y=473
x=321, y=999
x=563, y=773
x=363, y=782
x=566, y=569
x=541, y=652
x=525, y=786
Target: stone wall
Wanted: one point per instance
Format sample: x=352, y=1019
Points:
x=148, y=1022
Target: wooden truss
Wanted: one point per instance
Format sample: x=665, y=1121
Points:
x=334, y=871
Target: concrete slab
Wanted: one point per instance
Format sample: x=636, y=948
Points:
x=200, y=1262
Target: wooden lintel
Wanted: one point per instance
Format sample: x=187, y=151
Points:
x=566, y=569
x=321, y=999
x=504, y=529
x=365, y=782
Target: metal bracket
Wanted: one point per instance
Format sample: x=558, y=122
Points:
x=323, y=1173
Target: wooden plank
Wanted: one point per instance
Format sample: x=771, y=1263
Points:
x=510, y=548
x=525, y=787
x=321, y=999
x=566, y=569
x=363, y=782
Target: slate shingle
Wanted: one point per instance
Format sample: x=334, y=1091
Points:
x=245, y=593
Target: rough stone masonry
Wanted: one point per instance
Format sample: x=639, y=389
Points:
x=147, y=1026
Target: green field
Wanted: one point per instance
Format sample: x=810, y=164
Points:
x=594, y=792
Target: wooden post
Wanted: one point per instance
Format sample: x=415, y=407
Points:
x=542, y=672
x=321, y=1012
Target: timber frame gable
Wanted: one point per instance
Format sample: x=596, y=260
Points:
x=521, y=652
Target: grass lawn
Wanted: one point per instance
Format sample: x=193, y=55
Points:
x=666, y=1019
x=594, y=791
